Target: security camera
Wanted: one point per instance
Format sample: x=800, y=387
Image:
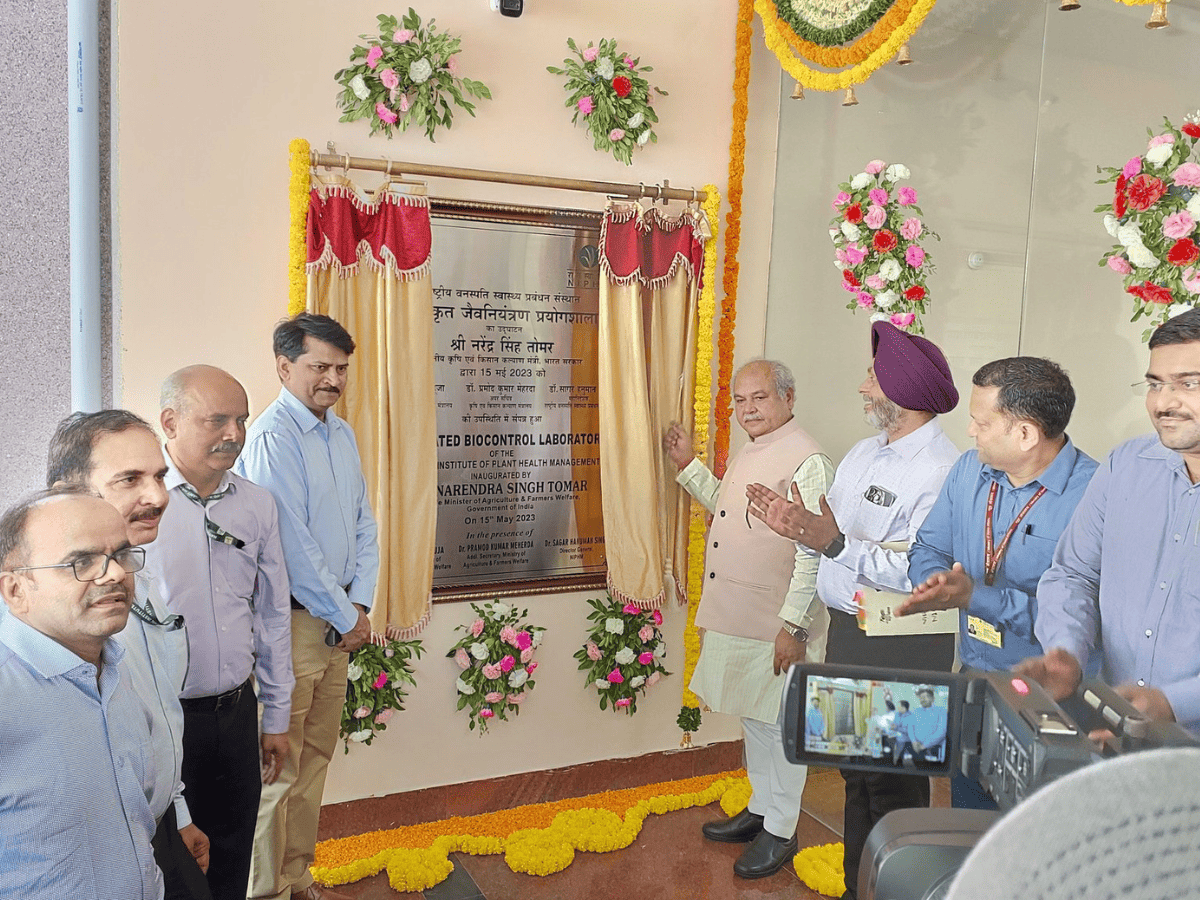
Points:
x=512, y=8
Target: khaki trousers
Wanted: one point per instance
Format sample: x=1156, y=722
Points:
x=289, y=810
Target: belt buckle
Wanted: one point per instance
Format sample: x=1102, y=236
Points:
x=230, y=698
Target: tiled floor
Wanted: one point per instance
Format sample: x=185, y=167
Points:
x=669, y=860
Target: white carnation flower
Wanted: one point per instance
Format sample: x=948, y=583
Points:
x=359, y=87
x=833, y=234
x=896, y=172
x=614, y=626
x=1128, y=235
x=463, y=687
x=1193, y=206
x=637, y=681
x=479, y=650
x=886, y=299
x=359, y=736
x=889, y=270
x=850, y=230
x=881, y=317
x=1111, y=225
x=643, y=138
x=840, y=266
x=500, y=610
x=635, y=120
x=660, y=651
x=535, y=636
x=1141, y=257
x=1176, y=309
x=861, y=180
x=604, y=67
x=1160, y=154
x=602, y=684
x=518, y=678
x=354, y=672
x=419, y=70
x=625, y=656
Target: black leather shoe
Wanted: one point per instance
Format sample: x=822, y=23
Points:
x=745, y=826
x=765, y=856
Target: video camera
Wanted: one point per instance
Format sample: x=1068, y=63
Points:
x=995, y=727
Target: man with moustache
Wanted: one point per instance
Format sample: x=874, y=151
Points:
x=307, y=457
x=1125, y=583
x=220, y=565
x=759, y=609
x=881, y=493
x=117, y=455
x=74, y=818
x=991, y=534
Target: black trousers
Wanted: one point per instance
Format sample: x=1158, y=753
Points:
x=870, y=795
x=182, y=877
x=222, y=782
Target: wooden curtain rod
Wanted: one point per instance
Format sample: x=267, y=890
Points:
x=663, y=192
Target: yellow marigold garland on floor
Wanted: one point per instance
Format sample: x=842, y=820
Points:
x=538, y=840
x=298, y=188
x=777, y=41
x=821, y=869
x=733, y=230
x=701, y=410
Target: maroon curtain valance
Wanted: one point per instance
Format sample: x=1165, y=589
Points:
x=343, y=229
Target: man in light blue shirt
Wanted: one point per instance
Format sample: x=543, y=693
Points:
x=116, y=454
x=307, y=457
x=815, y=722
x=1125, y=583
x=74, y=738
x=927, y=728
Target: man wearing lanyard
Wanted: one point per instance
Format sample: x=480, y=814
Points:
x=1125, y=584
x=116, y=454
x=880, y=495
x=991, y=534
x=307, y=457
x=220, y=565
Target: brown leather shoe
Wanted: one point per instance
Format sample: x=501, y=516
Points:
x=316, y=892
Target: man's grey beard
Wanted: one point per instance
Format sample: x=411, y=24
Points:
x=883, y=414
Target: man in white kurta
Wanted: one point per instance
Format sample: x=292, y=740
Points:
x=759, y=608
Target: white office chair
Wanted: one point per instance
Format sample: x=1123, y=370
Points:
x=1123, y=829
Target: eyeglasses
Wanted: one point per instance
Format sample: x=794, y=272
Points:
x=91, y=566
x=1182, y=386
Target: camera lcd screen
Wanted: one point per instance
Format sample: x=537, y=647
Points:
x=862, y=719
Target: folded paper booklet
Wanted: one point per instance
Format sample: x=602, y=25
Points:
x=881, y=620
x=877, y=616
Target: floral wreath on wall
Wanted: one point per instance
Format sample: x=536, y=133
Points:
x=877, y=235
x=404, y=76
x=375, y=677
x=624, y=652
x=1155, y=217
x=608, y=88
x=496, y=656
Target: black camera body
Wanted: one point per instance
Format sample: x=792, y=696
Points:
x=995, y=727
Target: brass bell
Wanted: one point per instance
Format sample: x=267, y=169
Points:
x=1158, y=17
x=798, y=91
x=850, y=99
x=1068, y=5
x=904, y=58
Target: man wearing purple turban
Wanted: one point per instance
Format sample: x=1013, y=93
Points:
x=879, y=498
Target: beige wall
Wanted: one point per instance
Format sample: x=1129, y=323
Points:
x=1003, y=118
x=207, y=105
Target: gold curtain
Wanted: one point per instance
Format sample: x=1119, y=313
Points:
x=862, y=709
x=826, y=705
x=646, y=380
x=389, y=402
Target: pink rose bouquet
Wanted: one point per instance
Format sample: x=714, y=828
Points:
x=498, y=674
x=1154, y=217
x=876, y=235
x=623, y=654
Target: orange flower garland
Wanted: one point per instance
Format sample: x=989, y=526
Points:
x=298, y=188
x=852, y=54
x=539, y=839
x=733, y=232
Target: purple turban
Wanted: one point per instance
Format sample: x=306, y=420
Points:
x=911, y=370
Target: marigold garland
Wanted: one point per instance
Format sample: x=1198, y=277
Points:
x=836, y=81
x=854, y=53
x=298, y=188
x=701, y=410
x=821, y=868
x=733, y=232
x=842, y=25
x=539, y=839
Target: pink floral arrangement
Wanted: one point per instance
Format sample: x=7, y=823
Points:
x=496, y=658
x=877, y=232
x=1154, y=216
x=623, y=653
x=375, y=690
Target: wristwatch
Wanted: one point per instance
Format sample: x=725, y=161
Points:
x=836, y=546
x=799, y=632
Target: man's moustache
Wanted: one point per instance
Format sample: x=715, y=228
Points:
x=110, y=592
x=227, y=447
x=150, y=512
